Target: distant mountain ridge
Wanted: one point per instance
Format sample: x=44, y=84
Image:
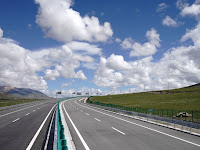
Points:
x=24, y=93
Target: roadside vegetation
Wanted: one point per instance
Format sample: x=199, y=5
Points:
x=166, y=103
x=9, y=102
x=182, y=101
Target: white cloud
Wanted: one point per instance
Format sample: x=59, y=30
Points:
x=118, y=40
x=80, y=75
x=180, y=4
x=1, y=33
x=179, y=67
x=117, y=62
x=17, y=68
x=59, y=21
x=127, y=43
x=92, y=66
x=65, y=84
x=161, y=7
x=146, y=49
x=84, y=47
x=193, y=10
x=51, y=74
x=193, y=34
x=20, y=67
x=112, y=76
x=168, y=21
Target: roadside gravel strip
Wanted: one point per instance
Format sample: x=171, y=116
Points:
x=68, y=137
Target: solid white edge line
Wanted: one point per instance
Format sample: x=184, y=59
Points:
x=75, y=128
x=97, y=119
x=143, y=126
x=19, y=110
x=38, y=131
x=118, y=131
x=16, y=120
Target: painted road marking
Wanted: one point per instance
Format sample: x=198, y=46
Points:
x=33, y=110
x=87, y=114
x=78, y=133
x=38, y=131
x=27, y=114
x=16, y=120
x=142, y=126
x=19, y=110
x=97, y=119
x=118, y=131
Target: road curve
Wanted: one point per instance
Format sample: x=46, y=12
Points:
x=96, y=129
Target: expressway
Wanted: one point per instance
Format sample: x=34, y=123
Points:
x=96, y=129
x=19, y=126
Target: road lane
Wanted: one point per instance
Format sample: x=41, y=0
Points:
x=101, y=135
x=19, y=133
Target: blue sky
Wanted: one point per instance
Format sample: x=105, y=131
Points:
x=99, y=46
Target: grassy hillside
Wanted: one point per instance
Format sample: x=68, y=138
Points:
x=178, y=101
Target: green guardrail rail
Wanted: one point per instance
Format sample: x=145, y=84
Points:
x=62, y=143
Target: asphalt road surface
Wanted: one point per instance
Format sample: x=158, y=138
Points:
x=96, y=129
x=19, y=125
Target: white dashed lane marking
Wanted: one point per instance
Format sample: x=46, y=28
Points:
x=16, y=120
x=118, y=131
x=97, y=119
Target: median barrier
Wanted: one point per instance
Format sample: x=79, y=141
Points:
x=61, y=141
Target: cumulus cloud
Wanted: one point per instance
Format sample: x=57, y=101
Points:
x=179, y=67
x=161, y=7
x=193, y=10
x=108, y=75
x=193, y=34
x=87, y=48
x=59, y=21
x=20, y=67
x=17, y=68
x=117, y=62
x=168, y=21
x=146, y=49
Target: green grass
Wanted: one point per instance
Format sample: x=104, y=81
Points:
x=181, y=101
x=163, y=104
x=9, y=102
